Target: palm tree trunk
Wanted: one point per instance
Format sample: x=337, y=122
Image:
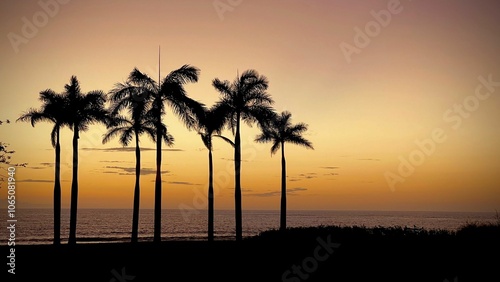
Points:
x=237, y=180
x=210, y=197
x=57, y=192
x=157, y=216
x=283, y=189
x=135, y=217
x=74, y=190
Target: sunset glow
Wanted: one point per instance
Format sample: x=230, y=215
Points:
x=406, y=121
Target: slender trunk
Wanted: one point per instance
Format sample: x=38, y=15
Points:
x=74, y=190
x=283, y=189
x=135, y=217
x=237, y=180
x=210, y=197
x=57, y=192
x=157, y=216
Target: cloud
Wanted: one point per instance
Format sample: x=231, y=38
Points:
x=232, y=160
x=302, y=176
x=330, y=167
x=290, y=192
x=129, y=149
x=131, y=170
x=29, y=180
x=242, y=190
x=183, y=183
x=297, y=189
x=115, y=162
x=41, y=166
x=331, y=173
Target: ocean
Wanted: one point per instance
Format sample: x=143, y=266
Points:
x=35, y=226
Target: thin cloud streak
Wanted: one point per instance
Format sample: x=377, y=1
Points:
x=41, y=166
x=29, y=180
x=131, y=170
x=183, y=183
x=290, y=192
x=129, y=149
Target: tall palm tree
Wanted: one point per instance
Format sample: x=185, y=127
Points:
x=130, y=97
x=170, y=90
x=83, y=110
x=211, y=125
x=281, y=131
x=245, y=99
x=52, y=110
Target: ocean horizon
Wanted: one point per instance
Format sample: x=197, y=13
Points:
x=35, y=226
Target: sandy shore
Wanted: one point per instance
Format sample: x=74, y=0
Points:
x=313, y=255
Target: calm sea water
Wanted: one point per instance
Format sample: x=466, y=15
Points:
x=35, y=226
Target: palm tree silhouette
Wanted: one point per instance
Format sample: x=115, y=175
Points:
x=169, y=90
x=82, y=110
x=244, y=99
x=279, y=132
x=127, y=96
x=52, y=110
x=211, y=125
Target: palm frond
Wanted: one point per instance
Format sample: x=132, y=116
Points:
x=224, y=87
x=53, y=135
x=206, y=139
x=299, y=140
x=225, y=139
x=264, y=137
x=34, y=116
x=150, y=131
x=276, y=146
x=112, y=133
x=184, y=107
x=280, y=130
x=142, y=79
x=126, y=136
x=298, y=128
x=183, y=75
x=165, y=136
x=47, y=96
x=73, y=88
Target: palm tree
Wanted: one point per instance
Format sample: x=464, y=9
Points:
x=130, y=97
x=169, y=90
x=245, y=99
x=83, y=110
x=210, y=125
x=279, y=132
x=52, y=110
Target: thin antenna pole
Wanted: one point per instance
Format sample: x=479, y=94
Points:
x=159, y=62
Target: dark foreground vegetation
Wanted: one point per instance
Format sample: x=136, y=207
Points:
x=325, y=253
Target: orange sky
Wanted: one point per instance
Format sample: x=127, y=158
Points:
x=405, y=79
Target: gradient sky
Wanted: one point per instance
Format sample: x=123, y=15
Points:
x=364, y=110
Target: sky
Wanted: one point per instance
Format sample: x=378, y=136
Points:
x=401, y=99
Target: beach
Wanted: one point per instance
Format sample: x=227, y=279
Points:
x=301, y=254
